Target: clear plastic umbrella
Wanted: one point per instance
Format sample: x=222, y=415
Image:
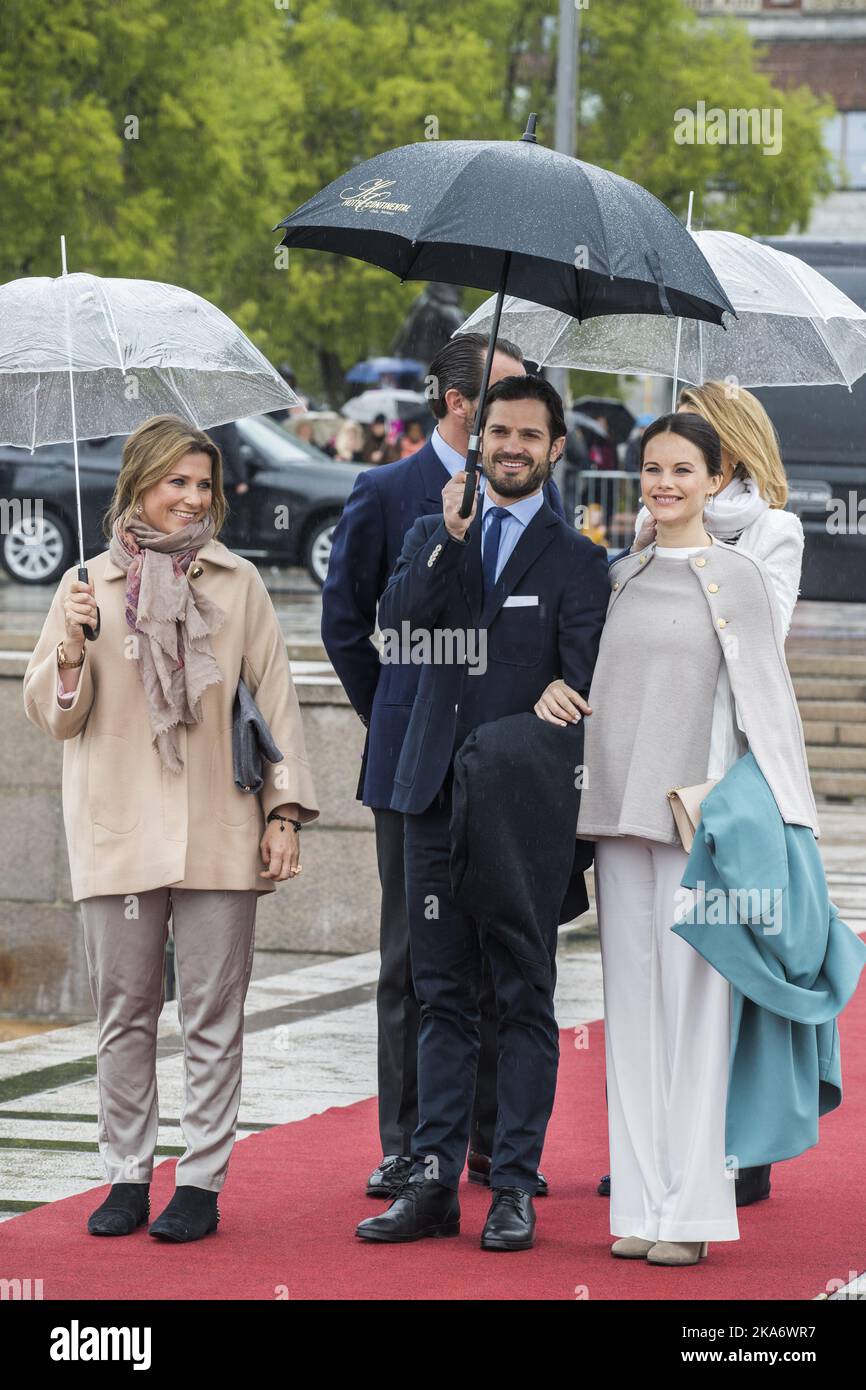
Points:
x=135, y=348
x=84, y=358
x=794, y=327
x=391, y=401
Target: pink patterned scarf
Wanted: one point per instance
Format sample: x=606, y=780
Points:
x=173, y=622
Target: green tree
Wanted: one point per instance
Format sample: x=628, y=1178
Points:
x=167, y=138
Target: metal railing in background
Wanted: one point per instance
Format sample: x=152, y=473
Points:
x=602, y=504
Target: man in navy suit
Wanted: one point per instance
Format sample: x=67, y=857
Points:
x=527, y=595
x=385, y=502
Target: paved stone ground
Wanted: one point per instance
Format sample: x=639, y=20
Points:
x=310, y=1044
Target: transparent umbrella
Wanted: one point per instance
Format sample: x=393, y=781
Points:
x=794, y=327
x=83, y=357
x=390, y=401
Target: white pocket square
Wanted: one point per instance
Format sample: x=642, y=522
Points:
x=521, y=601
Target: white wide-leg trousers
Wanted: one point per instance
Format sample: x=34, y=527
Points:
x=667, y=1037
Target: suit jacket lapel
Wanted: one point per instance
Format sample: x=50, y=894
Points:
x=536, y=538
x=434, y=473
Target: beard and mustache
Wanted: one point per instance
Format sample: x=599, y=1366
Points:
x=516, y=484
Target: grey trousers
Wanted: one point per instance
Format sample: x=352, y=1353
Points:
x=124, y=938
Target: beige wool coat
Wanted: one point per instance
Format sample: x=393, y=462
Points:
x=131, y=825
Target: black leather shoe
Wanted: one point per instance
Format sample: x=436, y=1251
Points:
x=603, y=1188
x=478, y=1171
x=423, y=1208
x=752, y=1185
x=510, y=1223
x=126, y=1207
x=191, y=1214
x=389, y=1177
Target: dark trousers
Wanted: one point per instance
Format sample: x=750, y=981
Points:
x=448, y=954
x=398, y=1012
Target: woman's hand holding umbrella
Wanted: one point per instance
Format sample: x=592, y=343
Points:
x=80, y=613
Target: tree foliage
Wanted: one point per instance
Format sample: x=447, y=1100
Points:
x=167, y=138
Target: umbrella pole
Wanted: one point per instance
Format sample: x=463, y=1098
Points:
x=475, y=437
x=90, y=633
x=676, y=366
x=679, y=321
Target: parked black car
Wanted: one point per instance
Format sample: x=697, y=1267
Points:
x=287, y=517
x=822, y=435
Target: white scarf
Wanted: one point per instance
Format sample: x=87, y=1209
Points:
x=728, y=513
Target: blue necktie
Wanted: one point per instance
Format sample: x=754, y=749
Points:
x=490, y=551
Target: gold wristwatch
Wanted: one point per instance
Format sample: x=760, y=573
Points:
x=63, y=660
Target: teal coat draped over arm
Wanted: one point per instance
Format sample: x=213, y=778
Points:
x=763, y=918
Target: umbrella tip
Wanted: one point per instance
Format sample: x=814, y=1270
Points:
x=529, y=133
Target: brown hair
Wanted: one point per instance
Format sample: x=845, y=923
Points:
x=746, y=432
x=152, y=452
x=459, y=365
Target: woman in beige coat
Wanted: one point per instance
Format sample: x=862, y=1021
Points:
x=155, y=825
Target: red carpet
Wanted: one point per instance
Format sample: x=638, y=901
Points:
x=291, y=1203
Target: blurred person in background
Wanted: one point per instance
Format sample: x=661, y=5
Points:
x=377, y=446
x=236, y=473
x=347, y=444
x=413, y=437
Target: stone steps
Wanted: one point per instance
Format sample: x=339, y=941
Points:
x=830, y=684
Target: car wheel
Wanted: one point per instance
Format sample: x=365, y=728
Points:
x=317, y=552
x=37, y=552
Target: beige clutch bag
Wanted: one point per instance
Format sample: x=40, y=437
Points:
x=686, y=806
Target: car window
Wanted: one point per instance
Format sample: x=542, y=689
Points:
x=276, y=444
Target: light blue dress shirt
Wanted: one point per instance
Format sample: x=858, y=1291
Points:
x=520, y=514
x=446, y=454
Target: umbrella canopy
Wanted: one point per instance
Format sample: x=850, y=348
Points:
x=581, y=239
x=84, y=358
x=585, y=422
x=374, y=368
x=390, y=401
x=136, y=348
x=510, y=214
x=794, y=327
x=620, y=420
x=324, y=423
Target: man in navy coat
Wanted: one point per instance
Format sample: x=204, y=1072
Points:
x=496, y=607
x=385, y=502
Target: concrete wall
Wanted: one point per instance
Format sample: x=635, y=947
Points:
x=332, y=906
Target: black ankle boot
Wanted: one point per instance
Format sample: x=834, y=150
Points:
x=191, y=1214
x=125, y=1208
x=421, y=1208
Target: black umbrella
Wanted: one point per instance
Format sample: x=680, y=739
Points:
x=620, y=420
x=510, y=215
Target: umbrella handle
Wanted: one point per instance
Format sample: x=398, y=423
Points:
x=90, y=633
x=471, y=484
x=475, y=437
